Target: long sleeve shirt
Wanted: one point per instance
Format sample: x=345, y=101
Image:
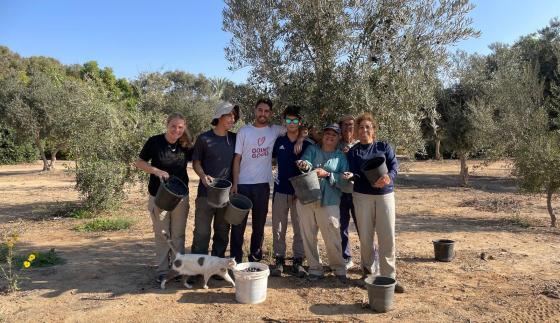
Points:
x=333, y=162
x=361, y=153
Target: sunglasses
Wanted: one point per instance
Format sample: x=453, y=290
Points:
x=294, y=121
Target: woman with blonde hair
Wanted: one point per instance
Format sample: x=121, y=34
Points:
x=374, y=203
x=164, y=155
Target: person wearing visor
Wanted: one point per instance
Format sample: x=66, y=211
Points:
x=213, y=158
x=324, y=215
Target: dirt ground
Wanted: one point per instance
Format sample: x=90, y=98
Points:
x=109, y=277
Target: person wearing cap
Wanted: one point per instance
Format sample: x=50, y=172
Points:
x=283, y=198
x=212, y=158
x=324, y=215
x=346, y=142
x=375, y=204
x=252, y=174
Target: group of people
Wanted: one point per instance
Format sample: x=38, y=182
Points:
x=246, y=159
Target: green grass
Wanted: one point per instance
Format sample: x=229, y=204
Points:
x=42, y=259
x=105, y=224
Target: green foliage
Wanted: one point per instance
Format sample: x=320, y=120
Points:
x=345, y=57
x=42, y=259
x=12, y=151
x=104, y=224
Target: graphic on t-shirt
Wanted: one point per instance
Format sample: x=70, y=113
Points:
x=261, y=140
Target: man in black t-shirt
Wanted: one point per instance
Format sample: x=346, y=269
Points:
x=212, y=158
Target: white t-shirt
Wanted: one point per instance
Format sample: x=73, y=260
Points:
x=255, y=147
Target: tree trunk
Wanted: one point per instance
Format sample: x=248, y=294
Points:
x=549, y=193
x=464, y=169
x=438, y=145
x=53, y=157
x=46, y=165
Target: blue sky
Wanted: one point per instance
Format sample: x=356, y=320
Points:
x=136, y=36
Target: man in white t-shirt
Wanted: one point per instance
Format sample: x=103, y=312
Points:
x=252, y=173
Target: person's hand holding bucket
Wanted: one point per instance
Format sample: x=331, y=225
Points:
x=302, y=165
x=382, y=181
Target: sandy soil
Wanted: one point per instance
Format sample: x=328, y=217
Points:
x=110, y=276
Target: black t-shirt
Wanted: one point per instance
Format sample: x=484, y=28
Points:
x=171, y=158
x=215, y=154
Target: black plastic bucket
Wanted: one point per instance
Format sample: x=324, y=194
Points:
x=306, y=187
x=170, y=193
x=237, y=208
x=374, y=169
x=381, y=291
x=218, y=192
x=443, y=250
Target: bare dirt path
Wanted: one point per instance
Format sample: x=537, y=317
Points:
x=109, y=276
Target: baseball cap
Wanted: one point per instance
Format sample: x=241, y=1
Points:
x=225, y=107
x=334, y=127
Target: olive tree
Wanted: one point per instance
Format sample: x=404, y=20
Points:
x=341, y=57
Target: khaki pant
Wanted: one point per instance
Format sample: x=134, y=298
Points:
x=376, y=213
x=174, y=223
x=282, y=204
x=312, y=218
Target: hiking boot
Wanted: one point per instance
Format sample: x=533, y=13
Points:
x=399, y=288
x=278, y=268
x=348, y=263
x=297, y=268
x=342, y=278
x=314, y=278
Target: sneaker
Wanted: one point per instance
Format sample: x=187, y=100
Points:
x=314, y=278
x=297, y=268
x=278, y=268
x=252, y=258
x=399, y=288
x=342, y=278
x=348, y=263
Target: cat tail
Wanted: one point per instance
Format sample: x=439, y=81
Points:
x=169, y=242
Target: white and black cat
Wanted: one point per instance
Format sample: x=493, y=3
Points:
x=195, y=264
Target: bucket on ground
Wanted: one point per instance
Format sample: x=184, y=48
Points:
x=251, y=280
x=381, y=291
x=218, y=192
x=237, y=208
x=306, y=187
x=170, y=193
x=444, y=249
x=374, y=169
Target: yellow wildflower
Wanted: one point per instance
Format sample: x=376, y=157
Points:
x=26, y=264
x=31, y=257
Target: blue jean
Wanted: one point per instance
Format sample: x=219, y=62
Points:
x=346, y=209
x=259, y=195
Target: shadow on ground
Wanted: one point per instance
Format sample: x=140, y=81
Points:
x=489, y=184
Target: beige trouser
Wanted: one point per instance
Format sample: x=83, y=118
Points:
x=376, y=213
x=174, y=223
x=312, y=218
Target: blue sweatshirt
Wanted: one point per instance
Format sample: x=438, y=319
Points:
x=361, y=153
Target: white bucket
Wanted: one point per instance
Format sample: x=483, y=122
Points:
x=250, y=287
